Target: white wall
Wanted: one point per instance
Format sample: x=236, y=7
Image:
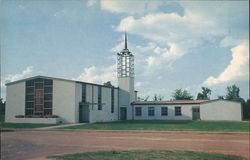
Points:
x=126, y=94
x=78, y=99
x=104, y=114
x=221, y=110
x=186, y=111
x=38, y=120
x=64, y=102
x=15, y=101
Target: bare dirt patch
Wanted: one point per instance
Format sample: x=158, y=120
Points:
x=36, y=144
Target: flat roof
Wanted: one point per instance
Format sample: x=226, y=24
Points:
x=60, y=79
x=169, y=102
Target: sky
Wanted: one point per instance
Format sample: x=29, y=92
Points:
x=177, y=44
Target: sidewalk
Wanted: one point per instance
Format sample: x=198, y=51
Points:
x=59, y=126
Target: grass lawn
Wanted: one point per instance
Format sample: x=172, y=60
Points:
x=24, y=125
x=167, y=126
x=146, y=155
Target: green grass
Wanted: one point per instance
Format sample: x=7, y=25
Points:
x=146, y=155
x=167, y=126
x=24, y=125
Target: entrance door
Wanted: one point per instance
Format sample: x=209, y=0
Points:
x=123, y=113
x=83, y=113
x=196, y=113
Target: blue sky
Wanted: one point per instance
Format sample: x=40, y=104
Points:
x=177, y=44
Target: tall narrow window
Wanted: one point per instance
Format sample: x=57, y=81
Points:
x=151, y=111
x=177, y=111
x=38, y=99
x=112, y=100
x=83, y=92
x=99, y=98
x=164, y=111
x=48, y=96
x=138, y=111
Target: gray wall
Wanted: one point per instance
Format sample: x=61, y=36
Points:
x=64, y=100
x=126, y=94
x=15, y=101
x=104, y=114
x=221, y=110
x=186, y=112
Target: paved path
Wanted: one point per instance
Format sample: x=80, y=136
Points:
x=37, y=144
x=60, y=126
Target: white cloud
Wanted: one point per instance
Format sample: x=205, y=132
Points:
x=129, y=6
x=138, y=84
x=238, y=69
x=15, y=77
x=177, y=35
x=98, y=75
x=91, y=3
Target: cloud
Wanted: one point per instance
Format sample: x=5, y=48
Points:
x=177, y=35
x=15, y=77
x=129, y=6
x=91, y=3
x=98, y=75
x=238, y=69
x=229, y=41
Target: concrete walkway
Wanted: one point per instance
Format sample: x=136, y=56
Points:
x=60, y=126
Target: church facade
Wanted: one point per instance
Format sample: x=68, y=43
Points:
x=42, y=99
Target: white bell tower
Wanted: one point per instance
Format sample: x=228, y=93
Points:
x=125, y=74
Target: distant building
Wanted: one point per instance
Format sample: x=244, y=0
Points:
x=43, y=99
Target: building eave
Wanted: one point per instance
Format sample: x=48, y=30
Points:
x=172, y=102
x=53, y=78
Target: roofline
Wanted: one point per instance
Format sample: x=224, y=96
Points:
x=180, y=103
x=220, y=100
x=166, y=102
x=60, y=79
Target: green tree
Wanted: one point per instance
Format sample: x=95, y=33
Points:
x=220, y=97
x=181, y=94
x=205, y=93
x=143, y=99
x=233, y=93
x=108, y=84
x=157, y=97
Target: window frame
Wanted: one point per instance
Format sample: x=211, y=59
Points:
x=151, y=111
x=138, y=112
x=35, y=97
x=164, y=113
x=99, y=98
x=112, y=100
x=177, y=112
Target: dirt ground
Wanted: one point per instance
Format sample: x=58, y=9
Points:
x=38, y=144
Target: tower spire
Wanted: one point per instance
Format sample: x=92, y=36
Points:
x=126, y=40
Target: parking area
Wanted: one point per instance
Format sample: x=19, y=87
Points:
x=38, y=144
